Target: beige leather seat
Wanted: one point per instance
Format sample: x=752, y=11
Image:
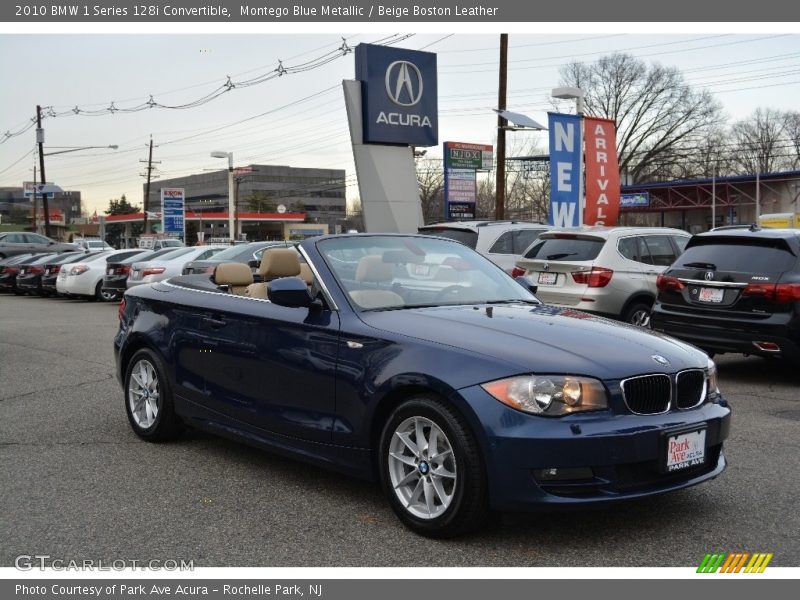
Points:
x=371, y=270
x=306, y=274
x=275, y=263
x=235, y=276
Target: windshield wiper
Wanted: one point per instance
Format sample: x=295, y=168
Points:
x=561, y=255
x=701, y=265
x=519, y=301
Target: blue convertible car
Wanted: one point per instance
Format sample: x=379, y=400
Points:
x=415, y=361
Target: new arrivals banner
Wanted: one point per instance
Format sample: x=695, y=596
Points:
x=602, y=172
x=565, y=169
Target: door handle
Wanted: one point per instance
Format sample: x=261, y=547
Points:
x=214, y=323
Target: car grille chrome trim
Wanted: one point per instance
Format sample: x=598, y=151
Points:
x=690, y=388
x=647, y=394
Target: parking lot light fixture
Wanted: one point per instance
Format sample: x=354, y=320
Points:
x=229, y=156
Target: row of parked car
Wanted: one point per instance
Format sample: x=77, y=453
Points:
x=733, y=290
x=726, y=290
x=105, y=275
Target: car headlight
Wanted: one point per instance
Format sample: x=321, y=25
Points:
x=711, y=379
x=549, y=395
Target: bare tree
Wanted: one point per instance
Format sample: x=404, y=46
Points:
x=659, y=117
x=430, y=177
x=792, y=132
x=757, y=142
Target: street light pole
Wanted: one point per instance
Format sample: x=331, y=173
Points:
x=231, y=207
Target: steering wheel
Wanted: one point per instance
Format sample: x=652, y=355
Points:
x=452, y=293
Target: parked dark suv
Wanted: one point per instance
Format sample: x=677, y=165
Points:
x=735, y=291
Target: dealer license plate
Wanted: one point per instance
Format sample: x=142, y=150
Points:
x=547, y=278
x=711, y=294
x=685, y=450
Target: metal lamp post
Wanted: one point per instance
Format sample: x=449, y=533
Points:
x=567, y=93
x=231, y=208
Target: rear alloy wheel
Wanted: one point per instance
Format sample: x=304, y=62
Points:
x=638, y=314
x=103, y=295
x=431, y=470
x=148, y=399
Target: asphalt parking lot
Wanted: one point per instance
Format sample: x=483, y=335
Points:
x=76, y=483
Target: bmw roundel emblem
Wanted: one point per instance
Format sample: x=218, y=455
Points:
x=660, y=359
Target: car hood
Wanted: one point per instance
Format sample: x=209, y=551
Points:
x=543, y=339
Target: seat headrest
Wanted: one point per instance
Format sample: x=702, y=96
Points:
x=279, y=262
x=372, y=269
x=233, y=274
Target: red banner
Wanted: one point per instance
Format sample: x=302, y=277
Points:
x=602, y=172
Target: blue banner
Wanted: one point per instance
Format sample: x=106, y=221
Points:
x=399, y=95
x=565, y=169
x=641, y=199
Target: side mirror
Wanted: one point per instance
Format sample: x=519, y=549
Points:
x=290, y=291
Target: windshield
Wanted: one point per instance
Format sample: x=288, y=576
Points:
x=393, y=272
x=228, y=253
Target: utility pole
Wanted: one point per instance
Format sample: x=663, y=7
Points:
x=40, y=141
x=35, y=228
x=500, y=186
x=147, y=186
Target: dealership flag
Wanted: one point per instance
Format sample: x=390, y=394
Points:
x=602, y=172
x=565, y=166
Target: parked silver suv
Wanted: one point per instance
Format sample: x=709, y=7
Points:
x=609, y=271
x=502, y=242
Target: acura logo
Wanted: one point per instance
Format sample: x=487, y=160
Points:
x=709, y=275
x=404, y=83
x=660, y=359
x=546, y=266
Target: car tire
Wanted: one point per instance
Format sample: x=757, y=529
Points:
x=149, y=402
x=441, y=493
x=638, y=314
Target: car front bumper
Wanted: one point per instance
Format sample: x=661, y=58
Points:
x=536, y=463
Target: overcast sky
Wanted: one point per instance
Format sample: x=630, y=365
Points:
x=299, y=119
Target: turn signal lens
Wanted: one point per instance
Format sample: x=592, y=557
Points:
x=549, y=395
x=711, y=379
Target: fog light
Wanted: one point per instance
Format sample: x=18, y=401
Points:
x=563, y=474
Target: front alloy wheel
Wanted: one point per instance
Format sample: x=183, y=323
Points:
x=422, y=467
x=431, y=469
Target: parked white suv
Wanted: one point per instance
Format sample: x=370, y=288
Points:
x=610, y=271
x=502, y=242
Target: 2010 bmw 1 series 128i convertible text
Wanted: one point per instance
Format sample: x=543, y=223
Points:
x=416, y=361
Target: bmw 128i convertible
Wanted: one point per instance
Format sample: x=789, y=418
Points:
x=415, y=361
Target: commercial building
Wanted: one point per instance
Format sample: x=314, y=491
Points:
x=699, y=204
x=63, y=207
x=266, y=197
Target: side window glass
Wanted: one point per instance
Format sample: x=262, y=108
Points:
x=524, y=238
x=629, y=248
x=660, y=250
x=503, y=245
x=680, y=242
